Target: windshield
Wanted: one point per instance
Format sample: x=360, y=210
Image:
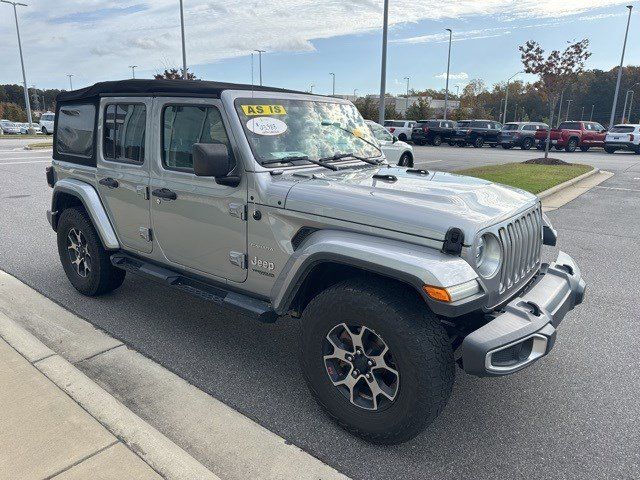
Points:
x=281, y=128
x=622, y=129
x=510, y=126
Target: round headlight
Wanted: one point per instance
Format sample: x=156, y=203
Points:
x=488, y=255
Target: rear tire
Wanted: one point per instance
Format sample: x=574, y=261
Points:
x=584, y=149
x=84, y=260
x=402, y=137
x=478, y=142
x=527, y=143
x=418, y=349
x=406, y=160
x=572, y=145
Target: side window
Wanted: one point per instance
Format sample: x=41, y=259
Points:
x=598, y=127
x=75, y=130
x=184, y=125
x=380, y=133
x=124, y=132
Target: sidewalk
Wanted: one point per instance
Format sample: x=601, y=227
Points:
x=45, y=434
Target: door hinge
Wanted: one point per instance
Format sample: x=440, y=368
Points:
x=238, y=259
x=238, y=210
x=143, y=190
x=145, y=233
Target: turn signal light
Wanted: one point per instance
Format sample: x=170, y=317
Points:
x=437, y=293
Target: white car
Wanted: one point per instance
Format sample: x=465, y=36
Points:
x=623, y=137
x=395, y=150
x=9, y=128
x=24, y=128
x=400, y=128
x=46, y=122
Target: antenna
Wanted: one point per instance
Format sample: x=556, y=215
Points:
x=251, y=74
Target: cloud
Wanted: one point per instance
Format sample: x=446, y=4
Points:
x=147, y=32
x=453, y=76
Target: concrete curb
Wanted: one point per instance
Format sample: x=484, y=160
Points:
x=160, y=453
x=568, y=183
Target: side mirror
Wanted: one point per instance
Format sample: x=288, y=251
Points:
x=213, y=160
x=395, y=139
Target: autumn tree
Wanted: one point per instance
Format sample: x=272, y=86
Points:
x=555, y=71
x=174, y=74
x=472, y=99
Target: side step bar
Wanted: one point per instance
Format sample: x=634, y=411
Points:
x=244, y=304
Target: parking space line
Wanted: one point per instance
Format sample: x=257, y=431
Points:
x=30, y=161
x=620, y=188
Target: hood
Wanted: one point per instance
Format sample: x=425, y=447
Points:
x=422, y=204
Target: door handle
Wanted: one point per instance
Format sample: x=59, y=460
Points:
x=164, y=193
x=109, y=182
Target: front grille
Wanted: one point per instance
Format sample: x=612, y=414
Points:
x=521, y=241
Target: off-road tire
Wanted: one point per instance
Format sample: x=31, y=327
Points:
x=103, y=277
x=478, y=142
x=406, y=160
x=572, y=144
x=527, y=143
x=436, y=141
x=421, y=348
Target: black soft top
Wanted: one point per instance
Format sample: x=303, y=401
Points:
x=142, y=87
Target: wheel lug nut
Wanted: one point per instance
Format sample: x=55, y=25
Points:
x=356, y=373
x=370, y=363
x=349, y=358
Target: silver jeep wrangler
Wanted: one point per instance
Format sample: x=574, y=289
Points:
x=273, y=202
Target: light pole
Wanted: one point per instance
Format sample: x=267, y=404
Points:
x=591, y=117
x=333, y=84
x=630, y=104
x=624, y=47
x=36, y=97
x=626, y=114
x=560, y=108
x=568, y=107
x=311, y=88
x=506, y=97
x=407, y=105
x=27, y=103
x=383, y=68
x=354, y=93
x=70, y=82
x=184, y=48
x=500, y=113
x=624, y=109
x=515, y=114
x=133, y=70
x=446, y=91
x=260, y=52
x=582, y=114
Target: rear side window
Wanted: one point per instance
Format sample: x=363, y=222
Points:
x=511, y=126
x=74, y=135
x=184, y=125
x=124, y=132
x=393, y=123
x=620, y=129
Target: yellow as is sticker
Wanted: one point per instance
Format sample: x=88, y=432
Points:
x=263, y=110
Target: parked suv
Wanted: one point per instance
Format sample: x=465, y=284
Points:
x=396, y=151
x=47, y=121
x=623, y=137
x=279, y=203
x=477, y=133
x=520, y=134
x=400, y=128
x=433, y=131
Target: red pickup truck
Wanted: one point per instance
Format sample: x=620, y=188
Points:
x=572, y=135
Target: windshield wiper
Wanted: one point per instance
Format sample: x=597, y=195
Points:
x=368, y=160
x=340, y=127
x=321, y=162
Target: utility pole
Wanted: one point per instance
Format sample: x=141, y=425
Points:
x=70, y=82
x=624, y=109
x=184, y=48
x=407, y=106
x=560, y=108
x=383, y=68
x=591, y=117
x=311, y=88
x=506, y=97
x=333, y=87
x=582, y=114
x=27, y=103
x=500, y=113
x=568, y=107
x=515, y=114
x=624, y=47
x=446, y=91
x=260, y=52
x=133, y=70
x=630, y=104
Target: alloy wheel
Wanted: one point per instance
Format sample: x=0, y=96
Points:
x=361, y=366
x=79, y=252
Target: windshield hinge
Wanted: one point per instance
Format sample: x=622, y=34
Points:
x=238, y=210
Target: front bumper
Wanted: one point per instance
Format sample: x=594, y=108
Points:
x=525, y=330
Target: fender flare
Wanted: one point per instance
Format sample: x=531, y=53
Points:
x=90, y=199
x=413, y=264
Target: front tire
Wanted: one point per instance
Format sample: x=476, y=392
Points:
x=478, y=142
x=44, y=131
x=402, y=378
x=527, y=143
x=572, y=145
x=84, y=260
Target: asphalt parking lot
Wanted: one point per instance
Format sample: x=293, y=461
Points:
x=575, y=414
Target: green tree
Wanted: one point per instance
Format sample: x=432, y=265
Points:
x=419, y=110
x=367, y=107
x=173, y=74
x=13, y=112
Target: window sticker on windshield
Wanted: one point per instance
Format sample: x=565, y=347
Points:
x=264, y=110
x=266, y=126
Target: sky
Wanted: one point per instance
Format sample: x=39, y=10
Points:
x=305, y=40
